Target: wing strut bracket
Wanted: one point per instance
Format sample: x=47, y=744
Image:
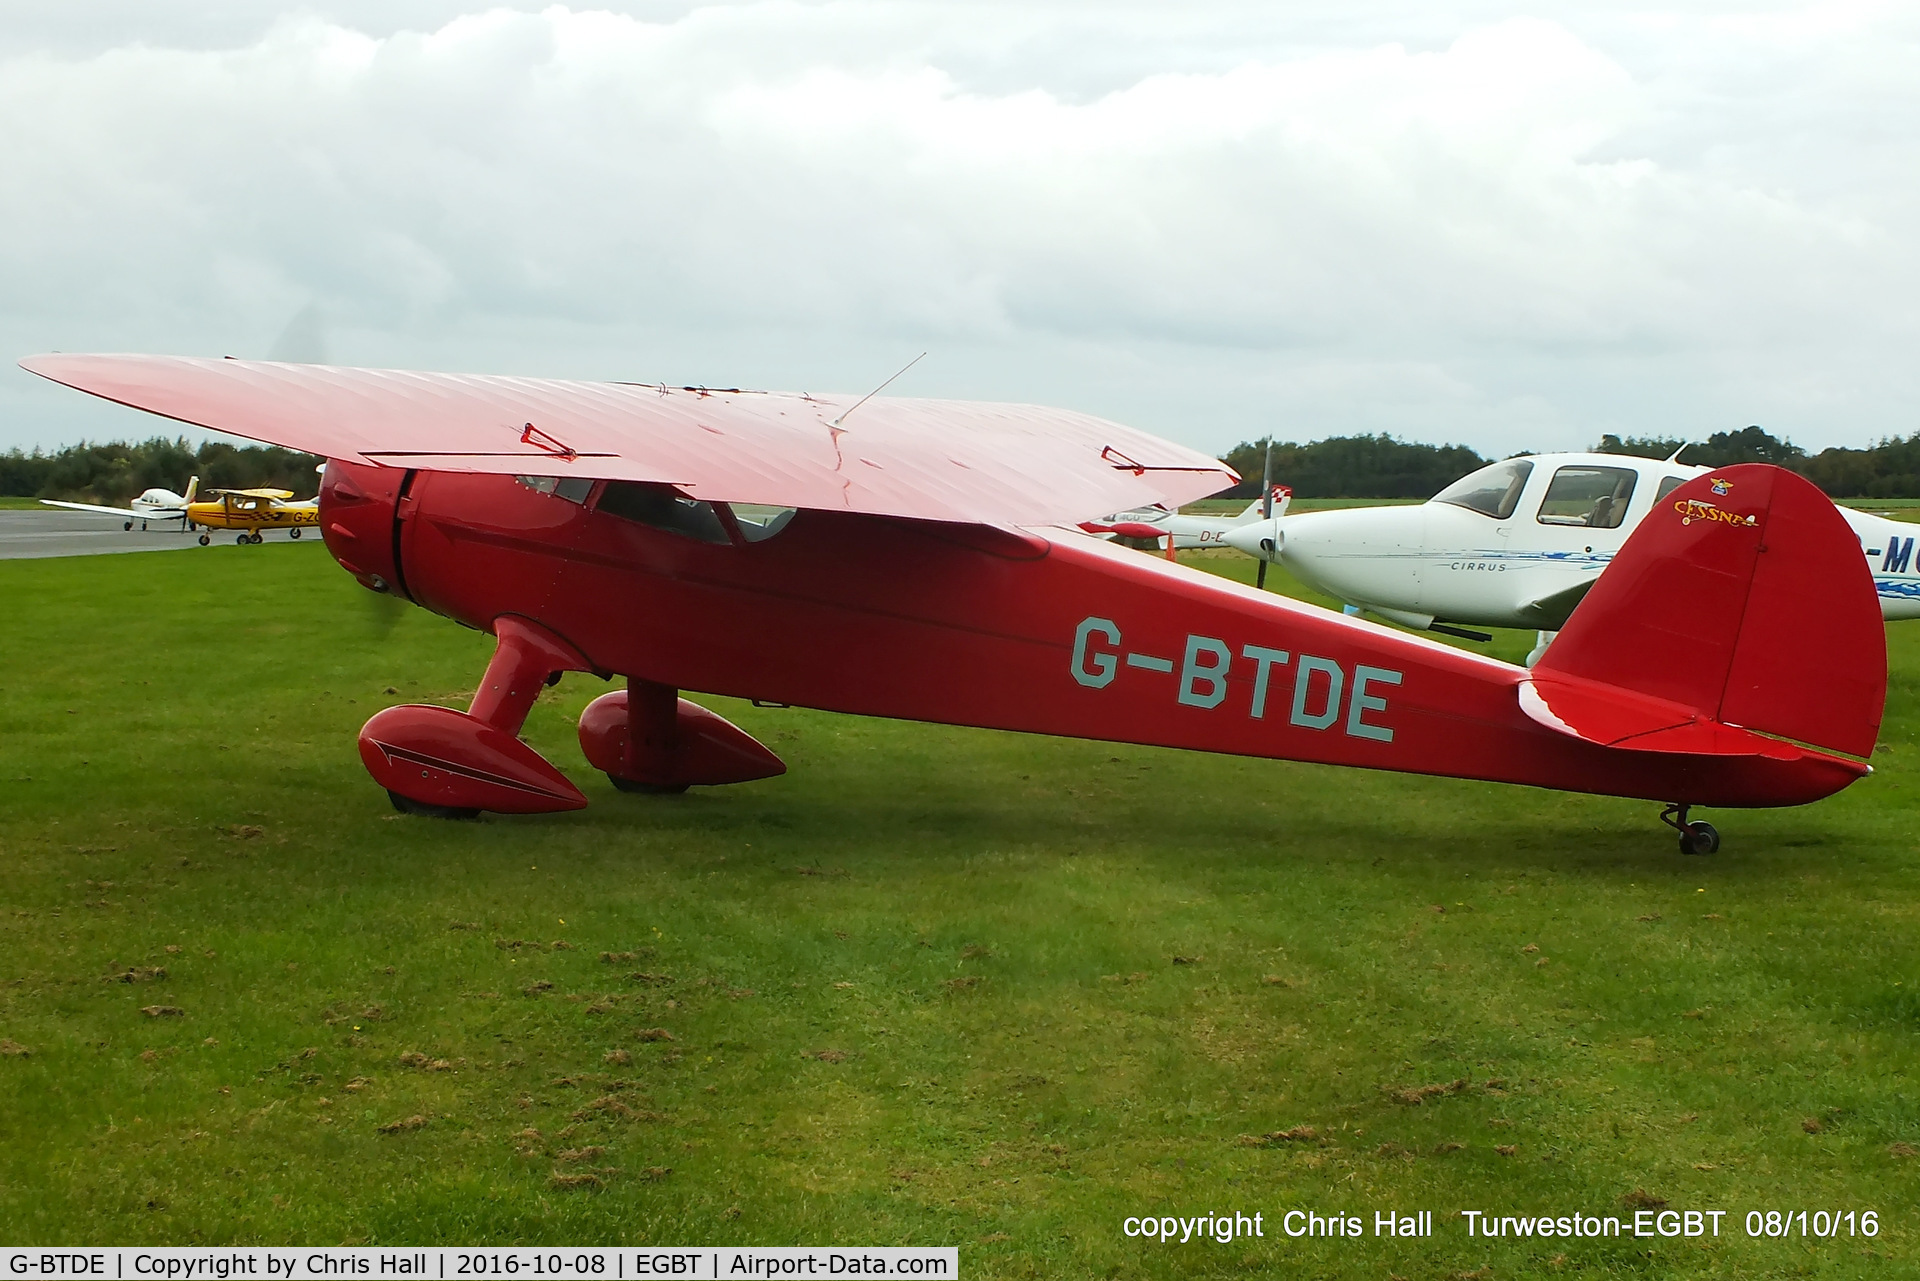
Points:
x=531, y=435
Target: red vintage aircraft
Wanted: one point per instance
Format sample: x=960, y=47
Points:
x=918, y=559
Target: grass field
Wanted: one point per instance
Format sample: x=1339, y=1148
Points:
x=933, y=986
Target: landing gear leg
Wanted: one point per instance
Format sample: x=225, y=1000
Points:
x=1695, y=838
x=447, y=764
x=646, y=738
x=653, y=721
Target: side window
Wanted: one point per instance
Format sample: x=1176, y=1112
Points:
x=1492, y=491
x=1593, y=497
x=662, y=508
x=758, y=522
x=573, y=488
x=1667, y=486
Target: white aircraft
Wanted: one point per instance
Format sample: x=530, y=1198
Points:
x=1187, y=532
x=1515, y=544
x=154, y=504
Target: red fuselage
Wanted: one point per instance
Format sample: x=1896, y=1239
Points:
x=1046, y=631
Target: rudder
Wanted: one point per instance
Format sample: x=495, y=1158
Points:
x=1743, y=597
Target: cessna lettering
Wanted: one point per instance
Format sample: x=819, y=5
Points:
x=1692, y=509
x=1320, y=692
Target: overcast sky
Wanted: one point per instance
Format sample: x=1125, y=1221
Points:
x=1213, y=221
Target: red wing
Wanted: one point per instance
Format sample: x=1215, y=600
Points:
x=928, y=459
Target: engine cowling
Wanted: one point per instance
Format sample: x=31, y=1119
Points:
x=358, y=508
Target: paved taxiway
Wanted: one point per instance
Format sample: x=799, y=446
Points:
x=54, y=532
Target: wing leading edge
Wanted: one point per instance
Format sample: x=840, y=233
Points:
x=965, y=461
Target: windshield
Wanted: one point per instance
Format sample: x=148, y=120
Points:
x=1493, y=491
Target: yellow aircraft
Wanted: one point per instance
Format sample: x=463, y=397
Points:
x=252, y=510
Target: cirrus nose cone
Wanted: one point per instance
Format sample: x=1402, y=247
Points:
x=1359, y=553
x=1260, y=539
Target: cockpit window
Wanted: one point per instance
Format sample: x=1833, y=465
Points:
x=1593, y=497
x=662, y=508
x=572, y=488
x=1667, y=486
x=758, y=522
x=1492, y=491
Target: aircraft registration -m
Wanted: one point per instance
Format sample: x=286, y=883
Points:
x=920, y=560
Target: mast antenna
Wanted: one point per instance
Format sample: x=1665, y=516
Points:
x=877, y=390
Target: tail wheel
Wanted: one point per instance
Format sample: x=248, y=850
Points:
x=1695, y=838
x=1699, y=838
x=205, y=539
x=293, y=533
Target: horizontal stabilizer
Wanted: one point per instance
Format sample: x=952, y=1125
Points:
x=1615, y=717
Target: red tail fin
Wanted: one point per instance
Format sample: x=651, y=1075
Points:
x=1743, y=598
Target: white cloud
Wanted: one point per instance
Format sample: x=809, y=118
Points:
x=1512, y=232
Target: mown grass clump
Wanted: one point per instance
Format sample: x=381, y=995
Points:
x=932, y=986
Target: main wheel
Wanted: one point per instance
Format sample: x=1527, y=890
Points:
x=1700, y=838
x=423, y=809
x=258, y=538
x=128, y=525
x=205, y=539
x=645, y=789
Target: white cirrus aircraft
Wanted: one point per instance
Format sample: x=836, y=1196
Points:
x=1516, y=544
x=153, y=505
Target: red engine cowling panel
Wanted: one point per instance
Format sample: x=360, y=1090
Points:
x=700, y=749
x=357, y=508
x=442, y=757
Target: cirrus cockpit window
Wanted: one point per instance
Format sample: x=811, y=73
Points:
x=1493, y=491
x=1593, y=497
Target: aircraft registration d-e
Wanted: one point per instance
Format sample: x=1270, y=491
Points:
x=920, y=559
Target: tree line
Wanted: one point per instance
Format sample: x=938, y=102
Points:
x=1385, y=467
x=114, y=473
x=1336, y=467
